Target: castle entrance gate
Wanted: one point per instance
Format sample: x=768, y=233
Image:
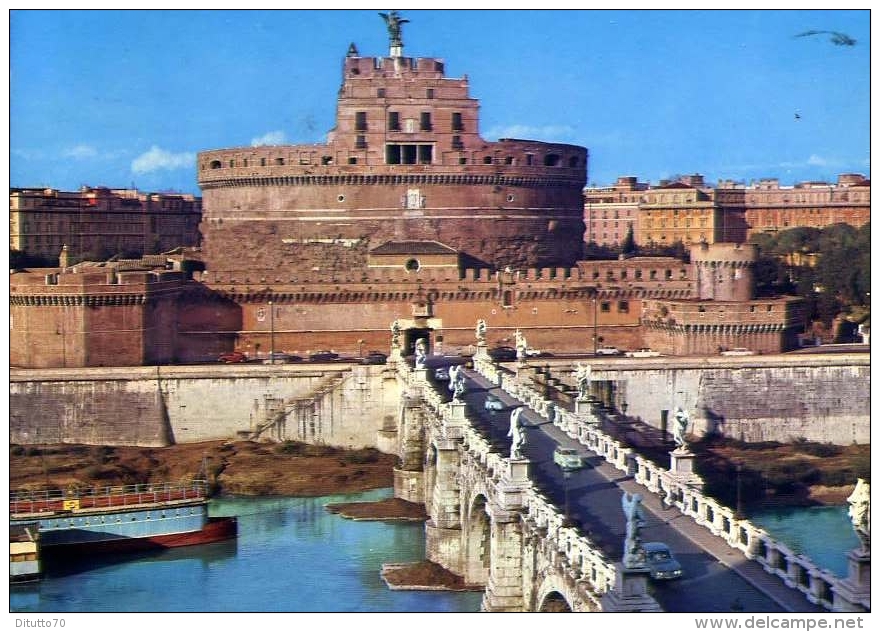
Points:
x=412, y=335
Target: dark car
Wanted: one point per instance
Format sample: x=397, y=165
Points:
x=323, y=356
x=374, y=357
x=278, y=357
x=661, y=561
x=502, y=354
x=441, y=373
x=232, y=357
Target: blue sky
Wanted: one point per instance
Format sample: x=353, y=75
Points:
x=122, y=98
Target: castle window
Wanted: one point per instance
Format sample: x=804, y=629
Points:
x=326, y=160
x=426, y=154
x=352, y=160
x=669, y=274
x=510, y=197
x=456, y=143
x=638, y=274
x=232, y=164
x=623, y=307
x=360, y=142
x=262, y=162
x=394, y=121
x=551, y=160
x=573, y=162
x=487, y=160
x=425, y=122
x=530, y=159
x=462, y=160
x=216, y=164
x=279, y=161
x=360, y=121
x=245, y=162
x=340, y=198
x=380, y=93
x=653, y=275
x=457, y=125
x=508, y=160
x=605, y=307
x=412, y=265
x=429, y=93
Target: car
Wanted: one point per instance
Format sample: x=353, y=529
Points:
x=232, y=357
x=608, y=351
x=374, y=357
x=323, y=356
x=738, y=351
x=661, y=561
x=567, y=458
x=276, y=357
x=502, y=354
x=644, y=352
x=441, y=373
x=492, y=403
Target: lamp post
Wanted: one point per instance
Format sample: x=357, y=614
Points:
x=360, y=348
x=595, y=325
x=271, y=333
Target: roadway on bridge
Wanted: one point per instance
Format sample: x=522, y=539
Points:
x=717, y=578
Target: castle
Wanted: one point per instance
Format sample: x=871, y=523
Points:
x=406, y=214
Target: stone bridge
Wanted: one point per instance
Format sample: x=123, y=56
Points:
x=491, y=524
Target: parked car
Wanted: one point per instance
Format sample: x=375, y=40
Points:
x=644, y=352
x=567, y=458
x=492, y=403
x=232, y=357
x=661, y=561
x=323, y=356
x=738, y=351
x=502, y=354
x=441, y=373
x=374, y=357
x=282, y=357
x=608, y=351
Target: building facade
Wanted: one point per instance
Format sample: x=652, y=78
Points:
x=100, y=222
x=687, y=210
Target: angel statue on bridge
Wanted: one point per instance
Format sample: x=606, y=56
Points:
x=481, y=332
x=860, y=513
x=633, y=553
x=395, y=334
x=456, y=382
x=521, y=346
x=421, y=353
x=682, y=421
x=582, y=375
x=517, y=434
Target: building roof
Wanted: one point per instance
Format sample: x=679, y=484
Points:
x=413, y=248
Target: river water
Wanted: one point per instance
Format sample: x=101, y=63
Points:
x=294, y=556
x=291, y=555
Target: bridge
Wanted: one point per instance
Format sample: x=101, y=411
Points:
x=540, y=539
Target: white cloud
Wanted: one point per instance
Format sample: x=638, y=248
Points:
x=817, y=161
x=156, y=159
x=80, y=151
x=560, y=133
x=269, y=138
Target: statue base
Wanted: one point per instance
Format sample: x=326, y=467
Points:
x=682, y=467
x=853, y=594
x=630, y=592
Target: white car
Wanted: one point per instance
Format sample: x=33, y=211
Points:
x=642, y=353
x=492, y=403
x=608, y=351
x=567, y=458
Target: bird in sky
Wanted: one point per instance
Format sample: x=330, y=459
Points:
x=837, y=38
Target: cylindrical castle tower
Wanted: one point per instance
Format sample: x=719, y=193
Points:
x=405, y=162
x=723, y=271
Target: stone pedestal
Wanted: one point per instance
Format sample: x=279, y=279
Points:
x=630, y=592
x=854, y=592
x=421, y=376
x=395, y=355
x=584, y=407
x=512, y=483
x=682, y=467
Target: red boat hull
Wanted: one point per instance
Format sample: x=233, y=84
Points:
x=215, y=530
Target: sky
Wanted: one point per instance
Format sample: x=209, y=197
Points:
x=128, y=98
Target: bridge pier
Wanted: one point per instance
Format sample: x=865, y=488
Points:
x=443, y=537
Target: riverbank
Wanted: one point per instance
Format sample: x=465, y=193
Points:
x=231, y=467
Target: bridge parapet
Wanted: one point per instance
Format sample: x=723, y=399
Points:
x=819, y=586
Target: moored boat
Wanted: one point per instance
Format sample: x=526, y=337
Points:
x=24, y=553
x=126, y=518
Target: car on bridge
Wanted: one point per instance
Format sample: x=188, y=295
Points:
x=567, y=458
x=232, y=357
x=644, y=352
x=608, y=351
x=374, y=357
x=441, y=373
x=502, y=354
x=323, y=356
x=492, y=403
x=661, y=561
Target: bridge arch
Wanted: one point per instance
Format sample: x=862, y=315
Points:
x=477, y=541
x=554, y=602
x=555, y=594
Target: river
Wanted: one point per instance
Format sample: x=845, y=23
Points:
x=291, y=556
x=294, y=556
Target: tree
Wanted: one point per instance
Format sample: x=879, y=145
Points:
x=629, y=242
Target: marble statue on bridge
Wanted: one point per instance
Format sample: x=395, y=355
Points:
x=521, y=346
x=456, y=382
x=682, y=421
x=517, y=434
x=633, y=553
x=860, y=513
x=583, y=377
x=395, y=334
x=481, y=332
x=421, y=353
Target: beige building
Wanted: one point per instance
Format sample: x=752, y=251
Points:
x=101, y=222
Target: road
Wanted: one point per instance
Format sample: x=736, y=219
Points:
x=592, y=496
